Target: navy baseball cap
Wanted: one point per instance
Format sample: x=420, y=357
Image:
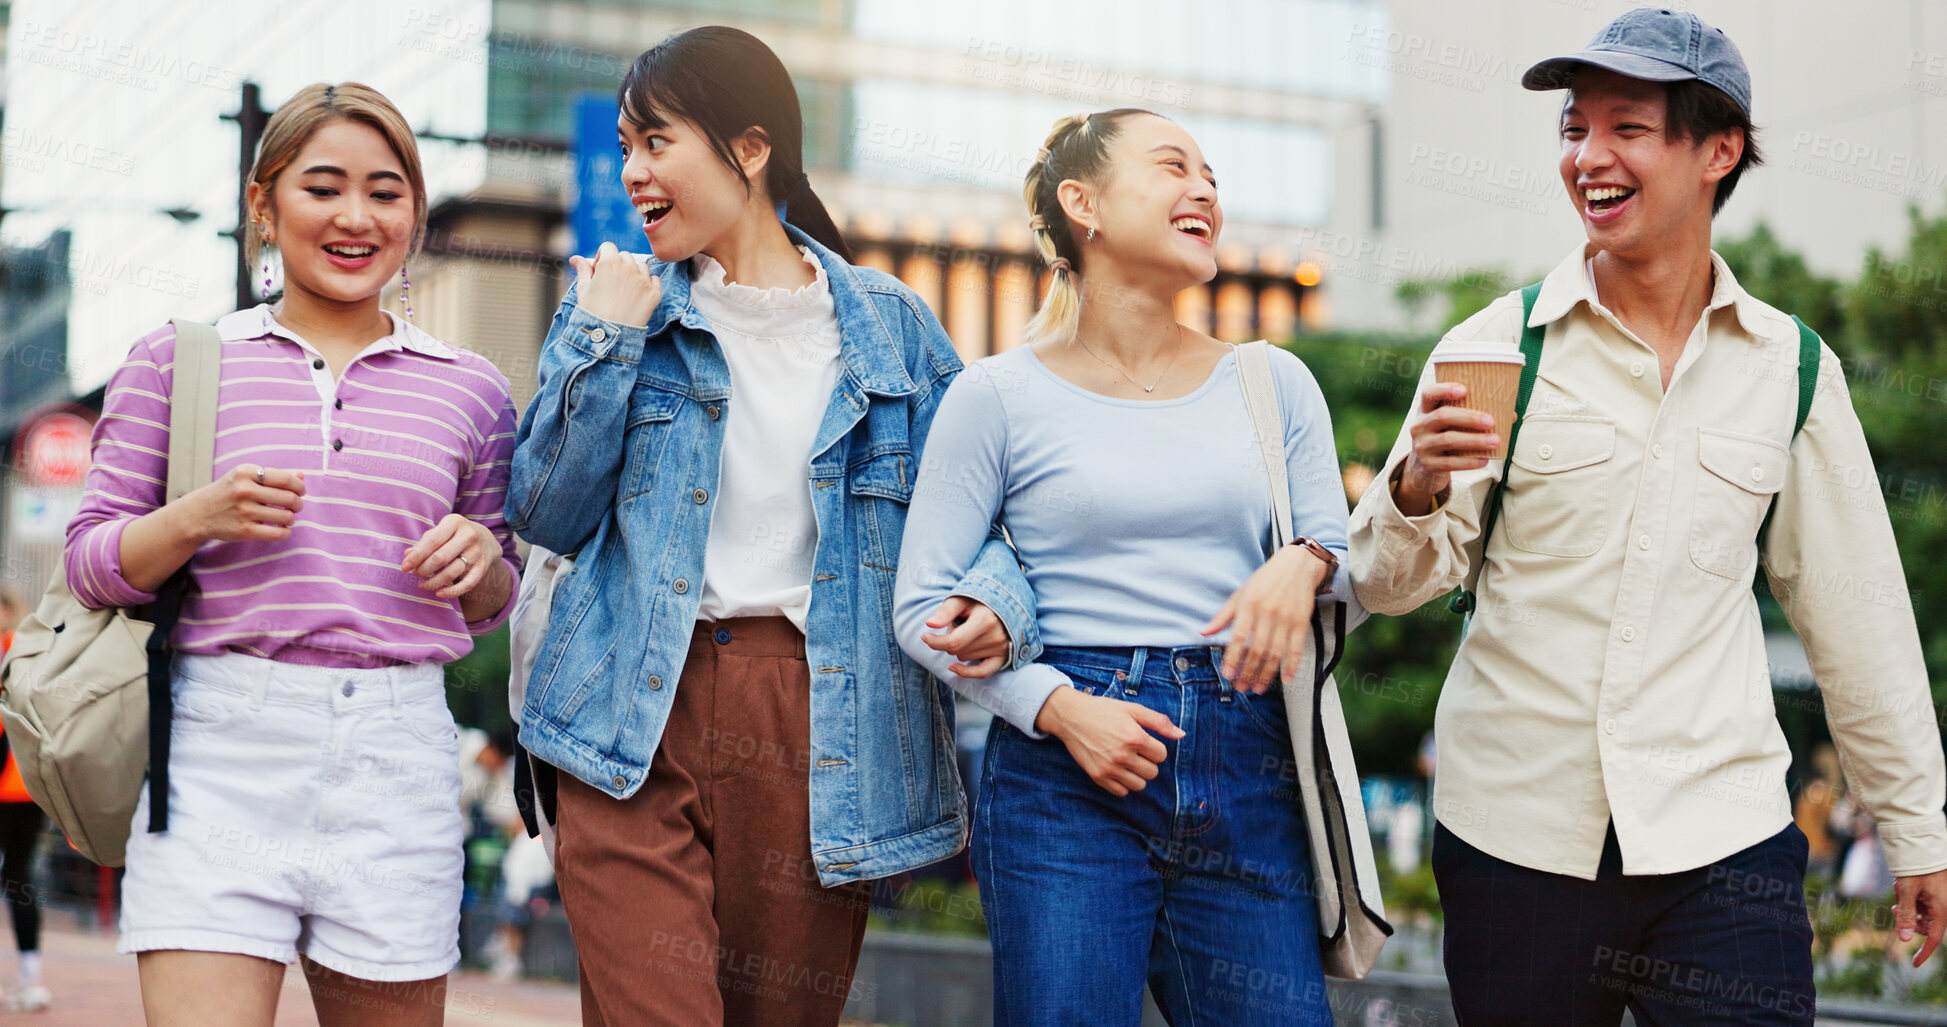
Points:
x=1659, y=46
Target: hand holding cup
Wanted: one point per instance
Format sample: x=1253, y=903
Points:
x=1462, y=420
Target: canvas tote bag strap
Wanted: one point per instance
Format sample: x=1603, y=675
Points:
x=1267, y=421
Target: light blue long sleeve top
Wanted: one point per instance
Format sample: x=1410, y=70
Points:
x=1134, y=519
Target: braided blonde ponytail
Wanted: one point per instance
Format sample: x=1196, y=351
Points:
x=1077, y=148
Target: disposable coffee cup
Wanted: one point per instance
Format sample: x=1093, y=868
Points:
x=1492, y=375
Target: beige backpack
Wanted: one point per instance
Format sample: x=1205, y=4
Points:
x=85, y=693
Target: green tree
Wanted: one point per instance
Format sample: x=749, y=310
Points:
x=1463, y=295
x=1898, y=307
x=1776, y=275
x=1894, y=351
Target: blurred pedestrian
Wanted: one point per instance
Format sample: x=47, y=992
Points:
x=1825, y=842
x=21, y=824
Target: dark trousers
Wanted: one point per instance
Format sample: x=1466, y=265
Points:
x=694, y=902
x=20, y=830
x=1728, y=943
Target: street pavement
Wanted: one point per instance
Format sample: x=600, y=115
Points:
x=95, y=987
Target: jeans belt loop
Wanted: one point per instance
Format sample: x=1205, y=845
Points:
x=1133, y=686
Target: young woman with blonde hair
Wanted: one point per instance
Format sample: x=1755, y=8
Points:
x=1134, y=824
x=351, y=543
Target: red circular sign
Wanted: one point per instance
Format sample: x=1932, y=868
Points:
x=54, y=450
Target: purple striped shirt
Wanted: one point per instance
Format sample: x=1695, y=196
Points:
x=412, y=431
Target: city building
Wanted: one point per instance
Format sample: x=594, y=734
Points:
x=1851, y=111
x=921, y=121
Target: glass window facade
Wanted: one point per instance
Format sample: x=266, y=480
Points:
x=1301, y=46
x=1022, y=64
x=981, y=138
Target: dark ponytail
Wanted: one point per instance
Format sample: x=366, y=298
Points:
x=725, y=81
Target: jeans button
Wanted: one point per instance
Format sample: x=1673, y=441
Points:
x=723, y=637
x=599, y=335
x=348, y=689
x=1182, y=663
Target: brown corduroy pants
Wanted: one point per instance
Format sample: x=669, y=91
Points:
x=694, y=902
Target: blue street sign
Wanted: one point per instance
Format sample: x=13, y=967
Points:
x=601, y=207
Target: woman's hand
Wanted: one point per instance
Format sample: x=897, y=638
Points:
x=455, y=557
x=249, y=504
x=978, y=639
x=1110, y=739
x=233, y=508
x=616, y=287
x=1270, y=619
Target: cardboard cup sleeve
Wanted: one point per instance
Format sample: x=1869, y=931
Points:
x=1492, y=377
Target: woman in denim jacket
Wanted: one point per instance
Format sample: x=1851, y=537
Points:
x=726, y=438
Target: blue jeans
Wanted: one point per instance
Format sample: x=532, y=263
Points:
x=1199, y=884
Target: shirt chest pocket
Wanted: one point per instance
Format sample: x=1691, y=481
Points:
x=1558, y=502
x=881, y=487
x=1738, y=477
x=652, y=419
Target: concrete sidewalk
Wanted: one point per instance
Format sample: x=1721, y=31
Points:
x=95, y=987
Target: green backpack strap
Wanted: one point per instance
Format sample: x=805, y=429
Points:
x=1808, y=382
x=1531, y=336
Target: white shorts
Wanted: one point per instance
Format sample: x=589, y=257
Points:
x=312, y=810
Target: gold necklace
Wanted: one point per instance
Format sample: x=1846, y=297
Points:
x=1151, y=387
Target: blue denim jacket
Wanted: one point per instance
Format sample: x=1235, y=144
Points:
x=618, y=462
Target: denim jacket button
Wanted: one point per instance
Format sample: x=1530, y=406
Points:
x=655, y=683
x=620, y=781
x=681, y=586
x=713, y=411
x=701, y=496
x=599, y=335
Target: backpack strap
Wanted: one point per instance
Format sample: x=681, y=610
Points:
x=1809, y=349
x=192, y=462
x=192, y=422
x=1463, y=601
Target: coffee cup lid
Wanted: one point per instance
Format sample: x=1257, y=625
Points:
x=1482, y=353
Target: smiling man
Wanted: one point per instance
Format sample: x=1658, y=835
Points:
x=1614, y=824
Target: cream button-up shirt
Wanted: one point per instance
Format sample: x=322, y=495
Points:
x=1615, y=667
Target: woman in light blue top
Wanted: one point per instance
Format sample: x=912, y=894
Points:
x=1136, y=820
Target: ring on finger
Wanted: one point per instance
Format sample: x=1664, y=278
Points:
x=260, y=475
x=468, y=564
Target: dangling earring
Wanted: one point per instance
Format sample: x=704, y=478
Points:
x=405, y=291
x=264, y=242
x=1091, y=234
